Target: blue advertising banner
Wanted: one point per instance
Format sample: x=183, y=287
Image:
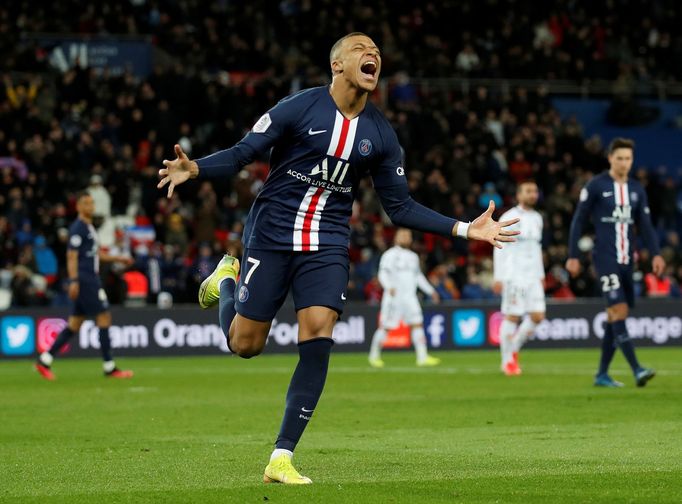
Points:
x=110, y=54
x=188, y=330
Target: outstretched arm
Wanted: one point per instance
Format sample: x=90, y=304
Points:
x=404, y=211
x=264, y=134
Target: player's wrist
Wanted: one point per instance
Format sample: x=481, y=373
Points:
x=72, y=279
x=462, y=229
x=193, y=169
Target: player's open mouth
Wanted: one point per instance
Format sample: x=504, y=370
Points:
x=369, y=69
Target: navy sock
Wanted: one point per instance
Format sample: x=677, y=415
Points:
x=305, y=390
x=608, y=349
x=61, y=340
x=226, y=309
x=105, y=344
x=620, y=333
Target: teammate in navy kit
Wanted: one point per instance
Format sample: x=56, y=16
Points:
x=322, y=142
x=85, y=290
x=615, y=202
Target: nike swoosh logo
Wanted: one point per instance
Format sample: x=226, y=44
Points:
x=607, y=194
x=312, y=132
x=307, y=410
x=343, y=297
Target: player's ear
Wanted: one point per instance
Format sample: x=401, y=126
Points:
x=337, y=67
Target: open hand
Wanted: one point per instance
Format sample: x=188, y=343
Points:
x=573, y=267
x=484, y=228
x=658, y=265
x=177, y=171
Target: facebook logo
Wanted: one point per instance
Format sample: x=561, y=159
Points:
x=434, y=327
x=468, y=327
x=18, y=336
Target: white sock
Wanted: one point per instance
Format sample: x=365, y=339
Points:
x=46, y=358
x=526, y=330
x=108, y=366
x=377, y=341
x=280, y=451
x=507, y=330
x=419, y=342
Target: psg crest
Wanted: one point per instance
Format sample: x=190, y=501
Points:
x=365, y=147
x=243, y=294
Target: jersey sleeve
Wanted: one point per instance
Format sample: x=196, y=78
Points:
x=646, y=228
x=76, y=238
x=268, y=130
x=582, y=213
x=385, y=271
x=390, y=184
x=424, y=285
x=389, y=171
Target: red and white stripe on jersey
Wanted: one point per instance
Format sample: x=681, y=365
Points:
x=307, y=224
x=343, y=136
x=622, y=199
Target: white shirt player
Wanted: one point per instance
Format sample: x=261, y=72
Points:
x=519, y=265
x=521, y=262
x=400, y=275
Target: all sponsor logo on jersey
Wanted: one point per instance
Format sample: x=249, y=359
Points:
x=622, y=213
x=365, y=147
x=18, y=336
x=335, y=176
x=468, y=328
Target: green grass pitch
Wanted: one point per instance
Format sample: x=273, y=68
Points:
x=201, y=430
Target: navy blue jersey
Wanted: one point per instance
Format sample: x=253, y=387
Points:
x=613, y=208
x=317, y=160
x=83, y=238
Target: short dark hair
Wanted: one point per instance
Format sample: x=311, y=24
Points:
x=338, y=43
x=621, y=143
x=82, y=194
x=525, y=181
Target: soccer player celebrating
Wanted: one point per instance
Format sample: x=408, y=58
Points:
x=85, y=290
x=615, y=202
x=400, y=276
x=519, y=273
x=322, y=142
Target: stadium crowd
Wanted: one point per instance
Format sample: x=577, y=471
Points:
x=62, y=132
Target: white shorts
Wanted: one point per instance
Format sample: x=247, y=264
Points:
x=521, y=298
x=395, y=309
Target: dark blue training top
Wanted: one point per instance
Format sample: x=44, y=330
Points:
x=317, y=160
x=614, y=208
x=83, y=238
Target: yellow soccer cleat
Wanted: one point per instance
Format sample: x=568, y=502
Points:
x=281, y=470
x=209, y=291
x=429, y=362
x=376, y=363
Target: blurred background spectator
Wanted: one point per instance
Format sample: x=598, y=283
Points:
x=66, y=127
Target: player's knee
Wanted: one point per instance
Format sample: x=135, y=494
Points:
x=617, y=312
x=245, y=348
x=537, y=317
x=247, y=345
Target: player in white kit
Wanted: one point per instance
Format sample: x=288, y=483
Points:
x=519, y=274
x=400, y=275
